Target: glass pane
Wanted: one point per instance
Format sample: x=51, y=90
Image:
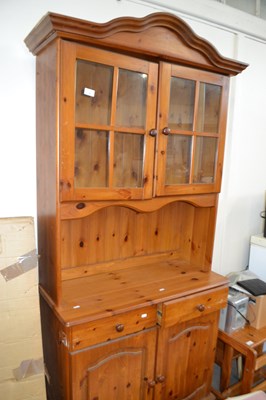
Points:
x=181, y=107
x=131, y=99
x=205, y=160
x=209, y=108
x=93, y=92
x=178, y=159
x=128, y=160
x=91, y=158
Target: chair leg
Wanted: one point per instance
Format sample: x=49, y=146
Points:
x=248, y=372
x=226, y=369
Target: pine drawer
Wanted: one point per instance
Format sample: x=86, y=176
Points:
x=193, y=306
x=113, y=327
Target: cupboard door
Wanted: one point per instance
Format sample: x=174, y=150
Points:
x=118, y=369
x=108, y=109
x=185, y=358
x=192, y=118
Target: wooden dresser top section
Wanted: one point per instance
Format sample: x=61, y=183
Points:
x=158, y=36
x=112, y=293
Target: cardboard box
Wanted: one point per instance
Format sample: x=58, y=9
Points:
x=257, y=311
x=20, y=330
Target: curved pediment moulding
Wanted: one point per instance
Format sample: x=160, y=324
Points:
x=160, y=35
x=72, y=210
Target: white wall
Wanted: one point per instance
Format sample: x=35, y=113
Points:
x=235, y=34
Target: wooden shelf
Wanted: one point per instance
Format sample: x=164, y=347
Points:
x=106, y=294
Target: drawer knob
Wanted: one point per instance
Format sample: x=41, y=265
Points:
x=153, y=132
x=119, y=327
x=166, y=131
x=151, y=384
x=201, y=307
x=160, y=378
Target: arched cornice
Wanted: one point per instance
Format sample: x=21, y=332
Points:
x=134, y=36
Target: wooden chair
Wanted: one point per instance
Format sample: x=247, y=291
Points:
x=245, y=344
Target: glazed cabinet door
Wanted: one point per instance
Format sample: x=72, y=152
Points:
x=185, y=358
x=118, y=369
x=120, y=141
x=192, y=122
x=107, y=124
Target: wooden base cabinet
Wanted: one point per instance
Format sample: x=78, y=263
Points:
x=186, y=346
x=119, y=369
x=185, y=365
x=170, y=356
x=131, y=122
x=124, y=368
